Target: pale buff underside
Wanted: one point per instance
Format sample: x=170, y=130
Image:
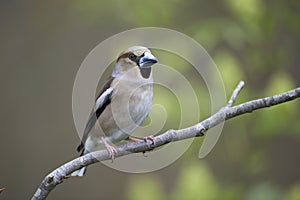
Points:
x=129, y=107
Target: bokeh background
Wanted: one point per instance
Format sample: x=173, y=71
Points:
x=44, y=42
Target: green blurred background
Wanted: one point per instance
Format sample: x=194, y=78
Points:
x=44, y=42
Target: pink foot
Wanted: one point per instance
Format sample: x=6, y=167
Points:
x=111, y=150
x=132, y=139
x=151, y=138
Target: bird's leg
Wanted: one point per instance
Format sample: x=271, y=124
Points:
x=111, y=150
x=151, y=138
x=135, y=139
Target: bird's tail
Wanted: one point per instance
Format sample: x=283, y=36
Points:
x=80, y=172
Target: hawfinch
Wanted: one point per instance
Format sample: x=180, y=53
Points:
x=123, y=104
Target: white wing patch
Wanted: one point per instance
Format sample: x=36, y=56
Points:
x=101, y=99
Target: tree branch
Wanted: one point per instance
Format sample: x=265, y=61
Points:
x=61, y=173
x=235, y=93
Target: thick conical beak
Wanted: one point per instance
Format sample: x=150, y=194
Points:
x=147, y=60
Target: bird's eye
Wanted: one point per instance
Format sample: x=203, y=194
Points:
x=132, y=57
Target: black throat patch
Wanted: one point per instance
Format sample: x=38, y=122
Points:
x=145, y=72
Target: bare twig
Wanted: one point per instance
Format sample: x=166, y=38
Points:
x=235, y=93
x=58, y=175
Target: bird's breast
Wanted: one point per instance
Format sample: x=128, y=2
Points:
x=129, y=107
x=132, y=102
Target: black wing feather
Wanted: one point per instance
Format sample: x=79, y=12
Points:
x=95, y=114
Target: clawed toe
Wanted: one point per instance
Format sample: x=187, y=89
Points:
x=111, y=150
x=151, y=138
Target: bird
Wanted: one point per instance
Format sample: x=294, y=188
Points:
x=123, y=103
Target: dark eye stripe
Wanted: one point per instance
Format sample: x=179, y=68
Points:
x=125, y=55
x=132, y=57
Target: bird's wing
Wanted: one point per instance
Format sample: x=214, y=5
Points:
x=102, y=101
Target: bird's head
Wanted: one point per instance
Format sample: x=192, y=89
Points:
x=136, y=58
